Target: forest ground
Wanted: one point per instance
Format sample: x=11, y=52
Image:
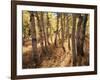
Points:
x=55, y=58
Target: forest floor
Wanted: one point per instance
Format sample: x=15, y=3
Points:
x=55, y=58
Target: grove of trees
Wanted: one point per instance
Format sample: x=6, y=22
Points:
x=53, y=39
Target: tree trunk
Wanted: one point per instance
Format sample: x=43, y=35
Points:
x=56, y=32
x=33, y=35
x=40, y=30
x=44, y=32
x=79, y=35
x=79, y=25
x=48, y=27
x=62, y=31
x=83, y=32
x=73, y=40
x=67, y=32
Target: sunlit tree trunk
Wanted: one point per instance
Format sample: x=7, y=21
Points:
x=62, y=31
x=64, y=20
x=48, y=27
x=40, y=30
x=67, y=32
x=44, y=32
